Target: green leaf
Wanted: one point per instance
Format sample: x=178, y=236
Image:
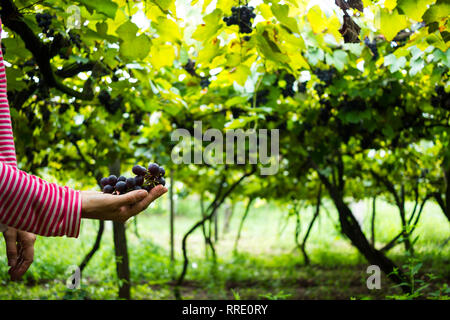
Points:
x=137, y=48
x=236, y=100
x=414, y=8
x=102, y=28
x=416, y=66
x=340, y=58
x=127, y=31
x=269, y=49
x=163, y=4
x=281, y=12
x=317, y=19
x=240, y=122
x=390, y=4
x=437, y=12
x=107, y=7
x=392, y=23
x=14, y=79
x=394, y=63
x=210, y=28
x=184, y=56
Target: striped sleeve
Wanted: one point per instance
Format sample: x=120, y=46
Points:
x=35, y=205
x=27, y=202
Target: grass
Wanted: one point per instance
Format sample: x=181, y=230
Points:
x=267, y=265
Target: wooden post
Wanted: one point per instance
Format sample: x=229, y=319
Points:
x=172, y=218
x=120, y=248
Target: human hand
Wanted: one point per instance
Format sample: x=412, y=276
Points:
x=102, y=206
x=19, y=250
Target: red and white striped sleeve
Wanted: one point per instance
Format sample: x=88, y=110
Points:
x=27, y=202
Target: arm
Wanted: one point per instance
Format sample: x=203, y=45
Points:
x=31, y=204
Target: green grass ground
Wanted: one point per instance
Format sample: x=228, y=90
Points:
x=268, y=265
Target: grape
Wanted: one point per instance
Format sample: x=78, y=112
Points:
x=288, y=91
x=122, y=178
x=241, y=16
x=139, y=180
x=325, y=75
x=130, y=182
x=75, y=38
x=108, y=189
x=137, y=188
x=112, y=180
x=204, y=83
x=139, y=170
x=153, y=168
x=161, y=180
x=148, y=188
x=121, y=186
x=104, y=182
x=162, y=172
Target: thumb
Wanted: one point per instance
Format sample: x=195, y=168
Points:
x=132, y=197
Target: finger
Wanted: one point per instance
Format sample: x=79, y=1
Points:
x=155, y=193
x=26, y=260
x=130, y=198
x=11, y=247
x=19, y=257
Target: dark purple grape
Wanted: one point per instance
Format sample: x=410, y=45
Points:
x=161, y=181
x=131, y=182
x=153, y=168
x=139, y=180
x=122, y=178
x=162, y=172
x=139, y=170
x=112, y=180
x=121, y=186
x=108, y=189
x=104, y=182
x=148, y=188
x=137, y=188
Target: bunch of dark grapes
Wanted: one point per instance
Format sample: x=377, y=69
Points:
x=288, y=91
x=44, y=21
x=75, y=38
x=325, y=75
x=205, y=82
x=372, y=45
x=145, y=179
x=241, y=16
